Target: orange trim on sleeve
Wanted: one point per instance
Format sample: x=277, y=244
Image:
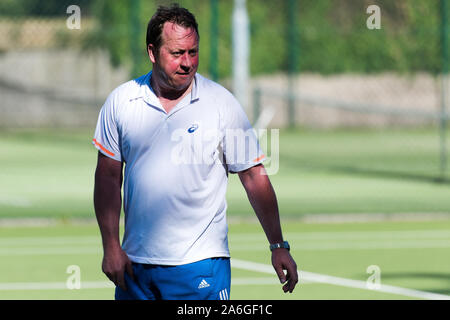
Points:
x=259, y=158
x=103, y=148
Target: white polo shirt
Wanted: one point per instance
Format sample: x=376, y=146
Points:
x=176, y=167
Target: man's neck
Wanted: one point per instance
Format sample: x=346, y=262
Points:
x=167, y=93
x=169, y=98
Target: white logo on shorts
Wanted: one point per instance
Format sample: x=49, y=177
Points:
x=203, y=284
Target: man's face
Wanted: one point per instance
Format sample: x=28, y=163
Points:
x=177, y=60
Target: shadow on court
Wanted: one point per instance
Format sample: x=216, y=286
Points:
x=366, y=172
x=442, y=277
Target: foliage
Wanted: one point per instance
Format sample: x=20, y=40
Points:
x=47, y=8
x=333, y=37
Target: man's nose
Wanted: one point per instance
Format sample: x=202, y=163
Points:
x=186, y=61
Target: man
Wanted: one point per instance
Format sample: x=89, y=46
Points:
x=175, y=131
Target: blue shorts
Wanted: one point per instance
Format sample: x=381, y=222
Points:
x=208, y=279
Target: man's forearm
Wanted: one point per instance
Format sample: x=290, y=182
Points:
x=107, y=204
x=264, y=202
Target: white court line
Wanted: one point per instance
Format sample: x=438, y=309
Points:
x=351, y=235
x=50, y=251
x=355, y=245
x=11, y=286
x=87, y=248
x=25, y=286
x=38, y=241
x=305, y=276
x=322, y=235
x=15, y=202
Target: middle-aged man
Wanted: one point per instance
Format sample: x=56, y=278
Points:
x=179, y=135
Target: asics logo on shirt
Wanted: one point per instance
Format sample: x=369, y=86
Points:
x=193, y=128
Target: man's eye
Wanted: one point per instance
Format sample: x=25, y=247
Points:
x=176, y=54
x=193, y=52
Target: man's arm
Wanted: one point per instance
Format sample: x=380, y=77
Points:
x=107, y=204
x=263, y=200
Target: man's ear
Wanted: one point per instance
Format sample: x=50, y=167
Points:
x=151, y=53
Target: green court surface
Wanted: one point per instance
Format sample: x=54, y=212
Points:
x=49, y=174
x=410, y=255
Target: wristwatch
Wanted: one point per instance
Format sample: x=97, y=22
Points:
x=283, y=244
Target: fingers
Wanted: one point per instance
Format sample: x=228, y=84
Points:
x=283, y=261
x=115, y=270
x=121, y=281
x=129, y=270
x=292, y=276
x=117, y=278
x=280, y=273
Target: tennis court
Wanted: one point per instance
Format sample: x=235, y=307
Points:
x=339, y=222
x=355, y=94
x=333, y=260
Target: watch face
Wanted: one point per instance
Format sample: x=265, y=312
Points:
x=284, y=244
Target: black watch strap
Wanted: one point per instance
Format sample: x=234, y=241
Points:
x=283, y=244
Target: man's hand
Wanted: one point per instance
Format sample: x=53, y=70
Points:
x=115, y=264
x=282, y=260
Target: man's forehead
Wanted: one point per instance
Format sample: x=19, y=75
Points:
x=172, y=32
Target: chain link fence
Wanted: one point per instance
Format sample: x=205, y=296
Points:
x=332, y=52
x=313, y=63
x=317, y=63
x=364, y=65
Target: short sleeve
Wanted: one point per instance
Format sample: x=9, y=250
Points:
x=240, y=143
x=106, y=136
